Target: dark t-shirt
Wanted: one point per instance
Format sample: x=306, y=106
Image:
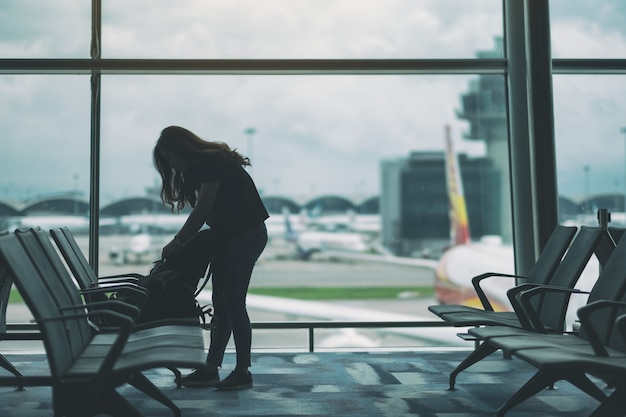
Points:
x=238, y=205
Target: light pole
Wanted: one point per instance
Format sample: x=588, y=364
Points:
x=250, y=131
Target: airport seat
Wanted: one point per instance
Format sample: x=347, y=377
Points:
x=541, y=273
x=95, y=288
x=86, y=368
x=5, y=293
x=550, y=308
x=92, y=287
x=596, y=336
x=616, y=232
x=79, y=265
x=560, y=358
x=588, y=241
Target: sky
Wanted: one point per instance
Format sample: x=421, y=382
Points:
x=313, y=134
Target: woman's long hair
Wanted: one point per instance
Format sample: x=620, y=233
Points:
x=176, y=189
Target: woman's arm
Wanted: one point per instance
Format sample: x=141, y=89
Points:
x=197, y=217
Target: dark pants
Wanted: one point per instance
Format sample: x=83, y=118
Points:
x=232, y=268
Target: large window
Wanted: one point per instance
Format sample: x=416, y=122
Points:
x=45, y=137
x=346, y=131
x=589, y=108
x=588, y=47
x=589, y=117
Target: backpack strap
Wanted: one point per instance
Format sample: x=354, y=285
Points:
x=207, y=276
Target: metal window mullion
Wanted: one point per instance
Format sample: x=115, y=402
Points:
x=302, y=67
x=589, y=66
x=541, y=112
x=252, y=66
x=519, y=150
x=94, y=154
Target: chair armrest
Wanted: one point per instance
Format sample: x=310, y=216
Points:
x=585, y=314
x=141, y=292
x=131, y=277
x=476, y=281
x=513, y=296
x=525, y=298
x=109, y=284
x=116, y=306
x=126, y=320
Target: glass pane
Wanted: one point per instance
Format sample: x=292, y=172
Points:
x=588, y=29
x=44, y=162
x=327, y=151
x=590, y=133
x=300, y=28
x=45, y=143
x=45, y=29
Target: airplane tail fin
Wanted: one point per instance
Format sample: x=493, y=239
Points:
x=290, y=233
x=459, y=224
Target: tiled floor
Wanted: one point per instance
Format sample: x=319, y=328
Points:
x=338, y=384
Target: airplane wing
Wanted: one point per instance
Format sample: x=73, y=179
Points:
x=386, y=259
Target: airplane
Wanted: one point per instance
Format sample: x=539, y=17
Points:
x=350, y=221
x=149, y=222
x=77, y=224
x=138, y=247
x=149, y=233
x=277, y=226
x=466, y=258
x=309, y=242
x=453, y=270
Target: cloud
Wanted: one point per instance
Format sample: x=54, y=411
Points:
x=301, y=123
x=45, y=133
x=299, y=29
x=45, y=29
x=589, y=114
x=322, y=133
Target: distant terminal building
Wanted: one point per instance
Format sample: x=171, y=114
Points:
x=414, y=201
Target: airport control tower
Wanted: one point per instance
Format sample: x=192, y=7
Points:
x=484, y=107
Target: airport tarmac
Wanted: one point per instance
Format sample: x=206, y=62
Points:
x=277, y=268
x=272, y=271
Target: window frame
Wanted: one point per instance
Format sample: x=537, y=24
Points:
x=527, y=66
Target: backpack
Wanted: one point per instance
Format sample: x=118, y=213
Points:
x=172, y=283
x=191, y=260
x=170, y=296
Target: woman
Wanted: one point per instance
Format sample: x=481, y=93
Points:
x=210, y=177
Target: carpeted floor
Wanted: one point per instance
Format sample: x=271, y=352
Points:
x=337, y=384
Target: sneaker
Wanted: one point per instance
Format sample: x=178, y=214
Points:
x=236, y=380
x=201, y=378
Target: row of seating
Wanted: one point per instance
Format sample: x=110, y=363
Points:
x=87, y=364
x=535, y=331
